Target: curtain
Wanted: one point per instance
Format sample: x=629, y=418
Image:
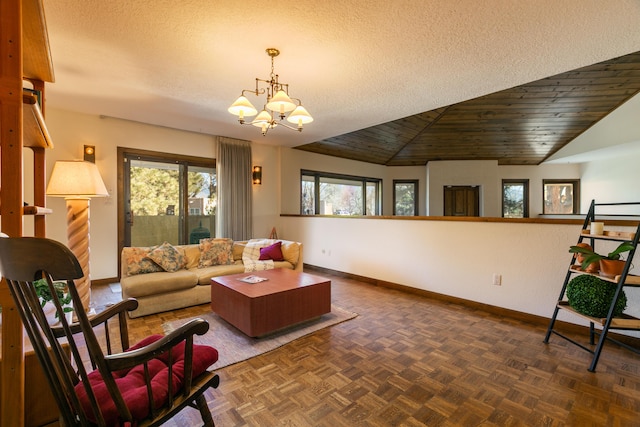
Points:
x=233, y=170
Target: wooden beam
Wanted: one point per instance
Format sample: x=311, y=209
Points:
x=12, y=386
x=37, y=61
x=39, y=173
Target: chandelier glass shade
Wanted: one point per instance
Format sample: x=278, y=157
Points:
x=278, y=104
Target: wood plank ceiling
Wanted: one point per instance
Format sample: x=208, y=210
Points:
x=519, y=126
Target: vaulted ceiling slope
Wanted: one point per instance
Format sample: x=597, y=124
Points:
x=353, y=63
x=519, y=126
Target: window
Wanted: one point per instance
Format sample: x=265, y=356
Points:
x=515, y=198
x=333, y=194
x=165, y=197
x=561, y=196
x=405, y=197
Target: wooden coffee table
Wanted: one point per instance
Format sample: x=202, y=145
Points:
x=288, y=297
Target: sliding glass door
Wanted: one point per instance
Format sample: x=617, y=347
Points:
x=166, y=198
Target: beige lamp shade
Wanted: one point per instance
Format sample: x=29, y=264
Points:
x=300, y=116
x=264, y=118
x=243, y=107
x=281, y=103
x=76, y=179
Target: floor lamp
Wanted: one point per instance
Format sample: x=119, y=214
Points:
x=78, y=181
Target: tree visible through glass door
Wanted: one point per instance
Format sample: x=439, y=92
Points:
x=167, y=201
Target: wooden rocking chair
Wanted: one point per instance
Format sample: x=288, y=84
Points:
x=127, y=388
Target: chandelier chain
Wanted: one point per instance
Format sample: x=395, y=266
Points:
x=272, y=69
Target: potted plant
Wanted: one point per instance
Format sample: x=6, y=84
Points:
x=611, y=264
x=592, y=296
x=42, y=290
x=594, y=267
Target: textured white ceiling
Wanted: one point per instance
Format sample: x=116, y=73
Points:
x=353, y=63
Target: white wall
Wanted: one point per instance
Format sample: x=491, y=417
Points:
x=452, y=257
x=483, y=173
x=71, y=130
x=611, y=180
x=608, y=155
x=489, y=175
x=295, y=160
x=432, y=180
x=404, y=172
x=266, y=197
x=619, y=127
x=449, y=257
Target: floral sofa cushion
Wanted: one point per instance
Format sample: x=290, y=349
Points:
x=168, y=257
x=138, y=261
x=215, y=251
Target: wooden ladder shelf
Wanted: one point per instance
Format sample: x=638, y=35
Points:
x=608, y=323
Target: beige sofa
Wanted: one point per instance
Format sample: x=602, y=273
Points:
x=163, y=291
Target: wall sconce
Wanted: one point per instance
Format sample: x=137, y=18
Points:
x=89, y=153
x=257, y=175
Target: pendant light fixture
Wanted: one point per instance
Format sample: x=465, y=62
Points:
x=278, y=104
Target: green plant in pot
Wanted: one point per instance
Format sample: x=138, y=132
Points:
x=592, y=296
x=42, y=290
x=611, y=264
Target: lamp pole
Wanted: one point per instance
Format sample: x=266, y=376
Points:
x=78, y=242
x=78, y=182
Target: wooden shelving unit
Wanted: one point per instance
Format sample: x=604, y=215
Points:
x=24, y=56
x=631, y=280
x=623, y=322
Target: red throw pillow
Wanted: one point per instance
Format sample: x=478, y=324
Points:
x=273, y=252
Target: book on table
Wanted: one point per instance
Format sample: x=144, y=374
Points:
x=252, y=279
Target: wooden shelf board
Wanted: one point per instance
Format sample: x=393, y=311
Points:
x=36, y=63
x=36, y=210
x=623, y=322
x=632, y=280
x=610, y=235
x=35, y=132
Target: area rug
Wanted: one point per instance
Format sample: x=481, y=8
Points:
x=233, y=346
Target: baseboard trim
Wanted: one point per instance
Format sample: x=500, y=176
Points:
x=105, y=282
x=500, y=311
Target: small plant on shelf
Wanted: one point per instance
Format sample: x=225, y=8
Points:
x=589, y=257
x=592, y=296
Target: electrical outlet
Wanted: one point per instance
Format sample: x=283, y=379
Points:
x=497, y=279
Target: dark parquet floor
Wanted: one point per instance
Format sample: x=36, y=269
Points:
x=407, y=360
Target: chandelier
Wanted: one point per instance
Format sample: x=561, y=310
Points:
x=278, y=103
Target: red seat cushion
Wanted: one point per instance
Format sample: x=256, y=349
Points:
x=132, y=386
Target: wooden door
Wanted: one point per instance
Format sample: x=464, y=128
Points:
x=462, y=200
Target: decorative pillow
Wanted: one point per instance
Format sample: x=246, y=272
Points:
x=238, y=250
x=191, y=255
x=253, y=246
x=215, y=251
x=273, y=252
x=131, y=382
x=291, y=252
x=138, y=261
x=167, y=257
